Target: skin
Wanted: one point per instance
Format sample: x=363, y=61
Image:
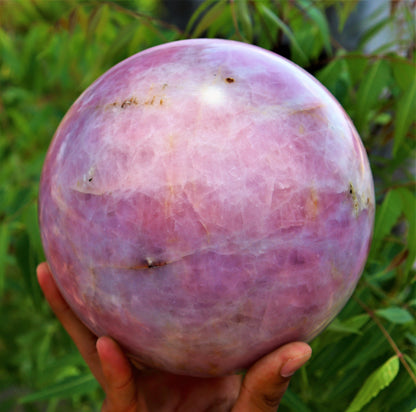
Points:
x=131, y=388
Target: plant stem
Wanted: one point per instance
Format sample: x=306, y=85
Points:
x=389, y=339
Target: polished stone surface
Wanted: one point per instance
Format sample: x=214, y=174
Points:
x=204, y=202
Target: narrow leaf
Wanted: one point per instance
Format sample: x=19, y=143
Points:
x=374, y=31
x=330, y=73
x=27, y=262
x=351, y=325
x=411, y=338
x=404, y=72
x=210, y=17
x=386, y=217
x=411, y=362
x=369, y=91
x=97, y=21
x=336, y=78
x=294, y=402
x=285, y=29
x=376, y=382
x=405, y=115
x=198, y=13
x=244, y=17
x=4, y=245
x=320, y=20
x=357, y=63
x=357, y=322
x=344, y=10
x=409, y=202
x=69, y=387
x=29, y=218
x=395, y=315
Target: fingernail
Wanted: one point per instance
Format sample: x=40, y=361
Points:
x=292, y=365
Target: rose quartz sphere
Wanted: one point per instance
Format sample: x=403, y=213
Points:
x=204, y=202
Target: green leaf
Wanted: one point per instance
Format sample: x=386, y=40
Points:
x=320, y=20
x=369, y=91
x=351, y=325
x=404, y=72
x=244, y=16
x=4, y=246
x=209, y=18
x=395, y=315
x=29, y=218
x=411, y=338
x=119, y=44
x=336, y=78
x=21, y=123
x=344, y=10
x=376, y=382
x=219, y=25
x=373, y=31
x=405, y=115
x=69, y=387
x=98, y=21
x=356, y=351
x=357, y=63
x=27, y=261
x=411, y=362
x=294, y=402
x=205, y=5
x=386, y=217
x=357, y=322
x=408, y=202
x=286, y=30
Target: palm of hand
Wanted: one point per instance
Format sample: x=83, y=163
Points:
x=129, y=389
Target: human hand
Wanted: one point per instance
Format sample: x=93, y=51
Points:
x=129, y=389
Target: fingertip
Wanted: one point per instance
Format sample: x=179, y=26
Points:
x=45, y=279
x=105, y=346
x=112, y=357
x=118, y=373
x=42, y=271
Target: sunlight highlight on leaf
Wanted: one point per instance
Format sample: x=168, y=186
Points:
x=376, y=382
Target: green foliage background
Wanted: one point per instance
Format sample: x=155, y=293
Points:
x=50, y=51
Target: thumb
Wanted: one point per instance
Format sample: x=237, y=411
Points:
x=267, y=380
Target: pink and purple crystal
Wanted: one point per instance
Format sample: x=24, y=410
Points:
x=204, y=202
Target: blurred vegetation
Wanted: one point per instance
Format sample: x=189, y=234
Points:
x=50, y=51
